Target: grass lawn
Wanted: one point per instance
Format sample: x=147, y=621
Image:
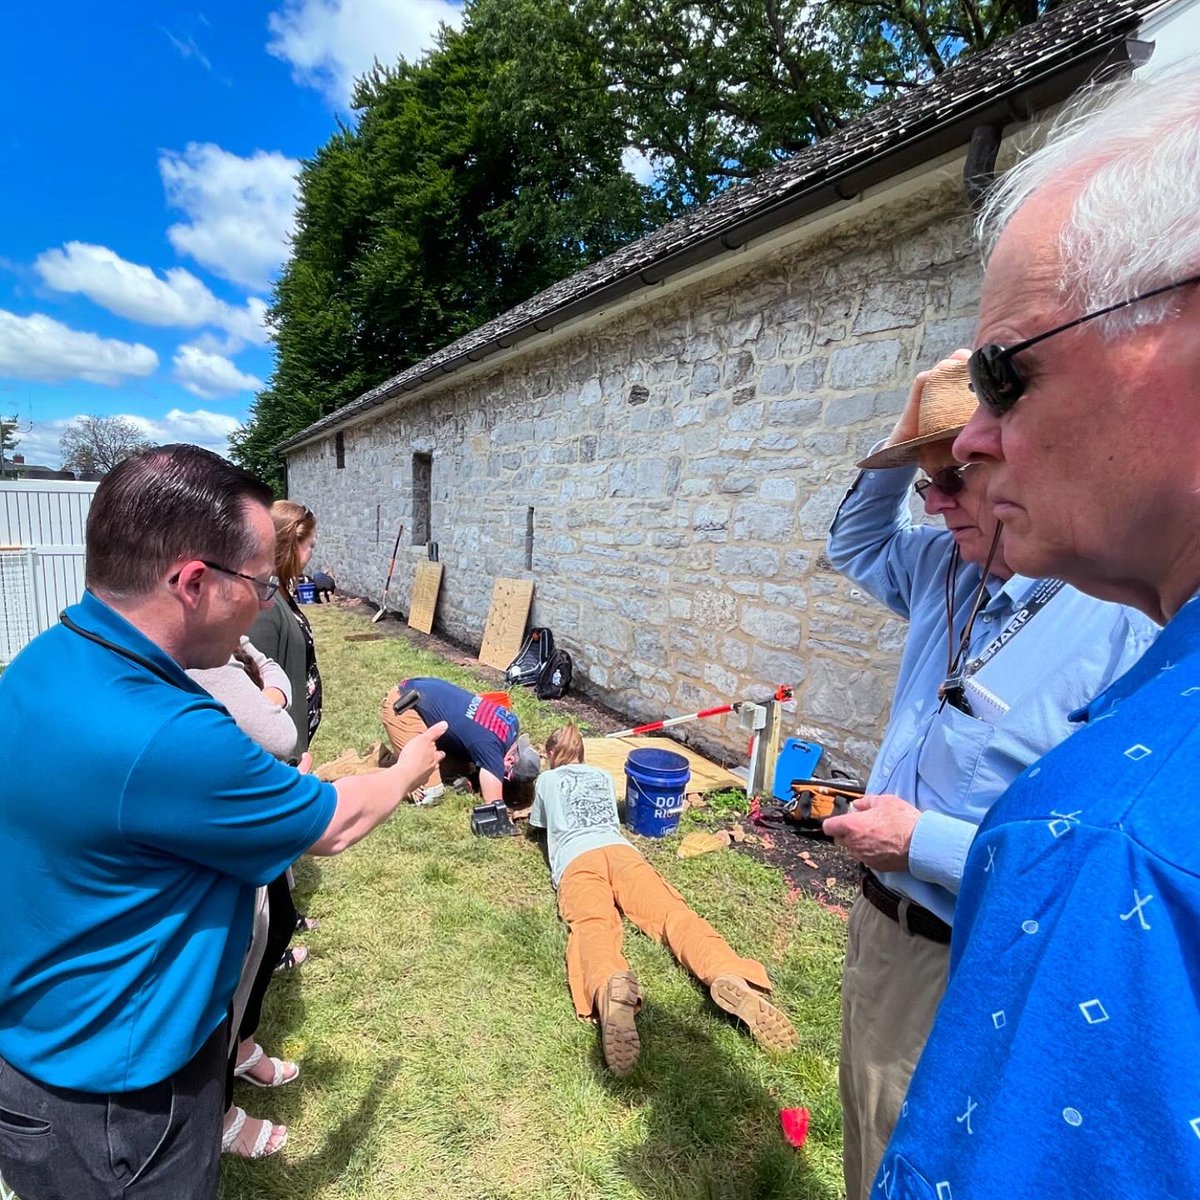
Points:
x=441, y=1054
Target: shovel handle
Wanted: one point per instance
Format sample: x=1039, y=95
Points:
x=392, y=565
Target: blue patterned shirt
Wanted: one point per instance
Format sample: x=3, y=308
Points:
x=1063, y=1059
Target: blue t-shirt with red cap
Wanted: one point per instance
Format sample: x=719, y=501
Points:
x=478, y=729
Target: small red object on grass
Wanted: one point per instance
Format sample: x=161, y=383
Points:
x=795, y=1125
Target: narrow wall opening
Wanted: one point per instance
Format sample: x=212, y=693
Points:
x=422, y=497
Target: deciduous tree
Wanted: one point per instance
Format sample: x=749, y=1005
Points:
x=94, y=445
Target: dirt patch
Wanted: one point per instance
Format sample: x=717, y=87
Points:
x=812, y=864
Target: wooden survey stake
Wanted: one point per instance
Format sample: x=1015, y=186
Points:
x=506, y=621
x=426, y=585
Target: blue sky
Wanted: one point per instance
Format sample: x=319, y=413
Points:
x=147, y=166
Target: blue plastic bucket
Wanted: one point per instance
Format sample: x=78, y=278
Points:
x=655, y=783
x=306, y=593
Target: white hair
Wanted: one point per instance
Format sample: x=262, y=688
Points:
x=1133, y=151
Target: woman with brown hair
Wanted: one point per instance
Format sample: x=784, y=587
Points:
x=283, y=633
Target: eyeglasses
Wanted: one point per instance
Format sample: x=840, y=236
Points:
x=995, y=378
x=266, y=588
x=947, y=480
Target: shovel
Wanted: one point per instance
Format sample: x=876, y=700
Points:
x=387, y=587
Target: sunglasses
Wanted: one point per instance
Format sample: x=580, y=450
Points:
x=947, y=480
x=995, y=377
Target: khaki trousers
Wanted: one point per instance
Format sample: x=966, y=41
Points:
x=402, y=729
x=892, y=984
x=602, y=884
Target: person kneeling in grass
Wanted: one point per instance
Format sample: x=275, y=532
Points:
x=599, y=876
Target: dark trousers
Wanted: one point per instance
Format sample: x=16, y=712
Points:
x=162, y=1142
x=281, y=927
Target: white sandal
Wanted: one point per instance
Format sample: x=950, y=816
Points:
x=279, y=1068
x=265, y=1133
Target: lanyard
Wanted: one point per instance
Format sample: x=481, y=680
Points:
x=124, y=651
x=1042, y=595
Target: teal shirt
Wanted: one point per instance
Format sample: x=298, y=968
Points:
x=577, y=807
x=136, y=821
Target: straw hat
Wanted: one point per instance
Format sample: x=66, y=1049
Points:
x=947, y=404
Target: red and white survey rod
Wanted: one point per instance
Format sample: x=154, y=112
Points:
x=782, y=692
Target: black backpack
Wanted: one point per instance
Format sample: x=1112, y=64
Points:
x=555, y=680
x=526, y=669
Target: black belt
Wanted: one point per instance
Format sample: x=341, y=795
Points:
x=909, y=916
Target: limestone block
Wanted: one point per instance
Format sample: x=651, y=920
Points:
x=776, y=380
x=942, y=338
x=738, y=369
x=853, y=698
x=772, y=626
x=816, y=514
x=894, y=304
x=776, y=441
x=777, y=489
x=714, y=610
x=864, y=365
x=756, y=521
x=793, y=413
x=749, y=416
x=706, y=379
x=756, y=562
x=772, y=667
x=735, y=653
x=723, y=682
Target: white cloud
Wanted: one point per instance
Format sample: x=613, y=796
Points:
x=240, y=211
x=330, y=42
x=178, y=299
x=209, y=375
x=38, y=347
x=204, y=428
x=211, y=430
x=638, y=165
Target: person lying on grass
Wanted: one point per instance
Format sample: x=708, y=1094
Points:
x=599, y=876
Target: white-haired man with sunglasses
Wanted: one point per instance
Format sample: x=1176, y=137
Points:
x=1063, y=1059
x=993, y=665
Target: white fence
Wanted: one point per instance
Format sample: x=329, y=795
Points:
x=41, y=556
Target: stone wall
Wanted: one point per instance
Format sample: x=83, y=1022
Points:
x=683, y=461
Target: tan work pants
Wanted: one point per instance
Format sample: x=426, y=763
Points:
x=600, y=885
x=402, y=729
x=892, y=984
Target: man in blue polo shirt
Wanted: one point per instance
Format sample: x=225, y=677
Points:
x=130, y=864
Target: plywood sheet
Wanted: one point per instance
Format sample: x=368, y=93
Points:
x=609, y=754
x=506, y=621
x=426, y=585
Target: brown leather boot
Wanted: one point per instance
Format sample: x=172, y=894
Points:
x=769, y=1025
x=617, y=1003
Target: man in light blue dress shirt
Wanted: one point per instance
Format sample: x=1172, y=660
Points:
x=1035, y=651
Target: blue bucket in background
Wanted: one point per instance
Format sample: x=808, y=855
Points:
x=655, y=783
x=306, y=593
